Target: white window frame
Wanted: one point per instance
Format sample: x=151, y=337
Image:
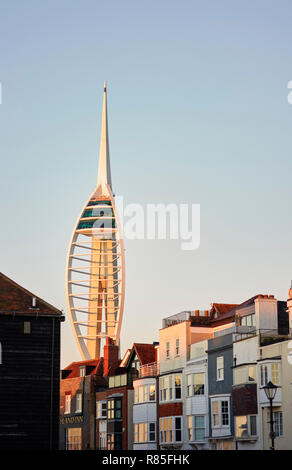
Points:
x=220, y=370
x=170, y=428
x=191, y=384
x=142, y=394
x=168, y=393
x=142, y=432
x=248, y=422
x=78, y=404
x=68, y=403
x=269, y=376
x=101, y=409
x=245, y=374
x=220, y=414
x=193, y=428
x=278, y=423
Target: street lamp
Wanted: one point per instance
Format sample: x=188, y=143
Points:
x=270, y=391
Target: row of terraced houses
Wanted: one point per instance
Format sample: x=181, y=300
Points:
x=199, y=387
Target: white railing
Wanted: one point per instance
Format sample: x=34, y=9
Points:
x=149, y=370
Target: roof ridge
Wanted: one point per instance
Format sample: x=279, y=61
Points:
x=26, y=291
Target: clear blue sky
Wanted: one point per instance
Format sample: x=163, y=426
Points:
x=198, y=113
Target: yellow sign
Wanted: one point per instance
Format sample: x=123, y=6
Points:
x=71, y=419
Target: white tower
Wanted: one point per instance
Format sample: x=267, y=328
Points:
x=95, y=272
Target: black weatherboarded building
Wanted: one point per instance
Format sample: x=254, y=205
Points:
x=29, y=369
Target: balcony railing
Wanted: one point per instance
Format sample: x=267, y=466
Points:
x=149, y=370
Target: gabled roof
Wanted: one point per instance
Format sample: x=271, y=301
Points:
x=145, y=352
x=15, y=299
x=93, y=367
x=221, y=312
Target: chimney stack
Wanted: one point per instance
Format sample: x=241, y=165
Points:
x=111, y=356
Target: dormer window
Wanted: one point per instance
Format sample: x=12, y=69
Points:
x=82, y=371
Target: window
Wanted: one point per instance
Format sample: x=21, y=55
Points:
x=73, y=439
x=220, y=368
x=248, y=320
x=144, y=393
x=245, y=426
x=196, y=384
x=68, y=403
x=102, y=440
x=152, y=436
x=275, y=373
x=196, y=428
x=171, y=429
x=78, y=403
x=110, y=409
x=110, y=442
x=224, y=413
x=82, y=371
x=170, y=387
x=177, y=382
x=101, y=409
x=167, y=350
x=199, y=380
x=151, y=392
x=244, y=374
x=117, y=381
x=177, y=347
x=264, y=374
x=114, y=409
x=270, y=372
x=144, y=432
x=278, y=423
x=215, y=413
x=27, y=328
x=220, y=412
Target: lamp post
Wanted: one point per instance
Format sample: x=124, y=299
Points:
x=270, y=391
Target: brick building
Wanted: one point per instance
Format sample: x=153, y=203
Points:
x=79, y=382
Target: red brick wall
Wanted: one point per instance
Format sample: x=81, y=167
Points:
x=170, y=409
x=244, y=399
x=66, y=386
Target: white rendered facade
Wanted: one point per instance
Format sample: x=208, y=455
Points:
x=95, y=272
x=145, y=413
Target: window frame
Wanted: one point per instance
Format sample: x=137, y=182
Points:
x=68, y=403
x=168, y=425
x=171, y=391
x=101, y=409
x=145, y=392
x=192, y=436
x=219, y=370
x=249, y=426
x=142, y=432
x=221, y=413
x=78, y=401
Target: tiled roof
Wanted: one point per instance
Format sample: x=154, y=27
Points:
x=145, y=352
x=223, y=311
x=14, y=299
x=93, y=367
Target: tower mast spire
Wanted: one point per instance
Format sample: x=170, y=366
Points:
x=104, y=168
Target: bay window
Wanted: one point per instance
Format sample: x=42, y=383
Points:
x=220, y=412
x=171, y=429
x=170, y=387
x=245, y=426
x=196, y=428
